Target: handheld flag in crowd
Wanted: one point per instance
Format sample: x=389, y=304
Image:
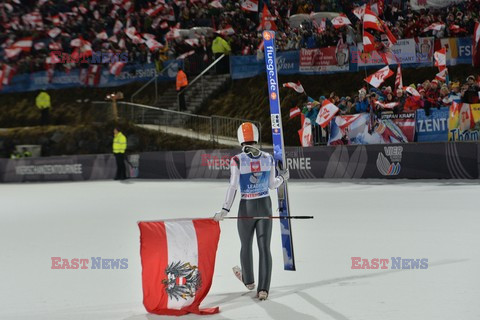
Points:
x=398, y=78
x=305, y=133
x=268, y=21
x=412, y=91
x=327, y=112
x=441, y=59
x=389, y=105
x=434, y=26
x=442, y=75
x=295, y=112
x=371, y=21
x=295, y=86
x=379, y=77
x=340, y=21
x=345, y=121
x=178, y=261
x=368, y=42
x=250, y=5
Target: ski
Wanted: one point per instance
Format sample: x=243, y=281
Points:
x=278, y=147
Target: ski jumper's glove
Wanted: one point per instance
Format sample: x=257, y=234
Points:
x=220, y=215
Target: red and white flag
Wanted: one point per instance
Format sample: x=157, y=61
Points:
x=434, y=26
x=164, y=25
x=327, y=112
x=55, y=46
x=441, y=59
x=75, y=43
x=25, y=44
x=341, y=21
x=192, y=42
x=368, y=42
x=216, y=4
x=154, y=10
x=93, y=75
x=268, y=21
x=12, y=53
x=117, y=27
x=359, y=12
x=53, y=33
x=295, y=112
x=476, y=34
x=153, y=44
x=295, y=86
x=102, y=35
x=442, y=75
x=227, y=31
x=371, y=21
x=379, y=77
x=116, y=68
x=456, y=29
x=398, y=78
x=39, y=45
x=389, y=105
x=376, y=8
x=186, y=54
x=7, y=74
x=412, y=91
x=344, y=121
x=250, y=5
x=178, y=262
x=305, y=134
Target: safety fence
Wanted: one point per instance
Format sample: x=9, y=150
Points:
x=217, y=129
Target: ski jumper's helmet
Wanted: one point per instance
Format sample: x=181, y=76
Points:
x=247, y=132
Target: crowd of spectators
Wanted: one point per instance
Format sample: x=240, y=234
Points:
x=87, y=20
x=426, y=95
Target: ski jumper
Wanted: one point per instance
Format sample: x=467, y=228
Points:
x=254, y=175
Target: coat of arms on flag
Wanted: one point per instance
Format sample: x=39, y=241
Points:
x=178, y=261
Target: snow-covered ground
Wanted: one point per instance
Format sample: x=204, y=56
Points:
x=436, y=220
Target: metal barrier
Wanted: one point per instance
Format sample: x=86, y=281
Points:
x=155, y=80
x=199, y=77
x=217, y=129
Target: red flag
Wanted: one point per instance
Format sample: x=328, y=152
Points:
x=267, y=22
x=295, y=86
x=412, y=91
x=379, y=77
x=344, y=121
x=178, y=261
x=442, y=75
x=441, y=59
x=54, y=32
x=295, y=112
x=359, y=12
x=376, y=8
x=305, y=134
x=340, y=21
x=153, y=44
x=250, y=5
x=154, y=11
x=93, y=75
x=434, y=26
x=102, y=35
x=368, y=42
x=476, y=34
x=116, y=68
x=327, y=112
x=390, y=105
x=12, y=53
x=371, y=21
x=7, y=74
x=25, y=44
x=216, y=4
x=398, y=78
x=456, y=29
x=186, y=54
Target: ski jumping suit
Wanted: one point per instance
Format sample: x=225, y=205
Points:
x=255, y=175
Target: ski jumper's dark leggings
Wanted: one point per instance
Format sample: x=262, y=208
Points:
x=263, y=228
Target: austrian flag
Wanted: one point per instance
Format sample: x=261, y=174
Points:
x=327, y=112
x=379, y=77
x=295, y=86
x=178, y=261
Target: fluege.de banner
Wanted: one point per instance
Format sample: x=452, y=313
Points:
x=432, y=128
x=464, y=122
x=390, y=128
x=330, y=59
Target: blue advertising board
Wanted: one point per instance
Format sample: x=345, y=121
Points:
x=433, y=127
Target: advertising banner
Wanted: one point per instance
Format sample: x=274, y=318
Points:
x=76, y=78
x=434, y=127
x=425, y=4
x=330, y=59
x=73, y=168
x=389, y=128
x=459, y=50
x=464, y=122
x=250, y=66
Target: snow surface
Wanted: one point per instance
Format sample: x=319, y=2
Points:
x=438, y=220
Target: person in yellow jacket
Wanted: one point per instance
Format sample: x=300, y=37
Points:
x=43, y=103
x=119, y=147
x=220, y=46
x=182, y=82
